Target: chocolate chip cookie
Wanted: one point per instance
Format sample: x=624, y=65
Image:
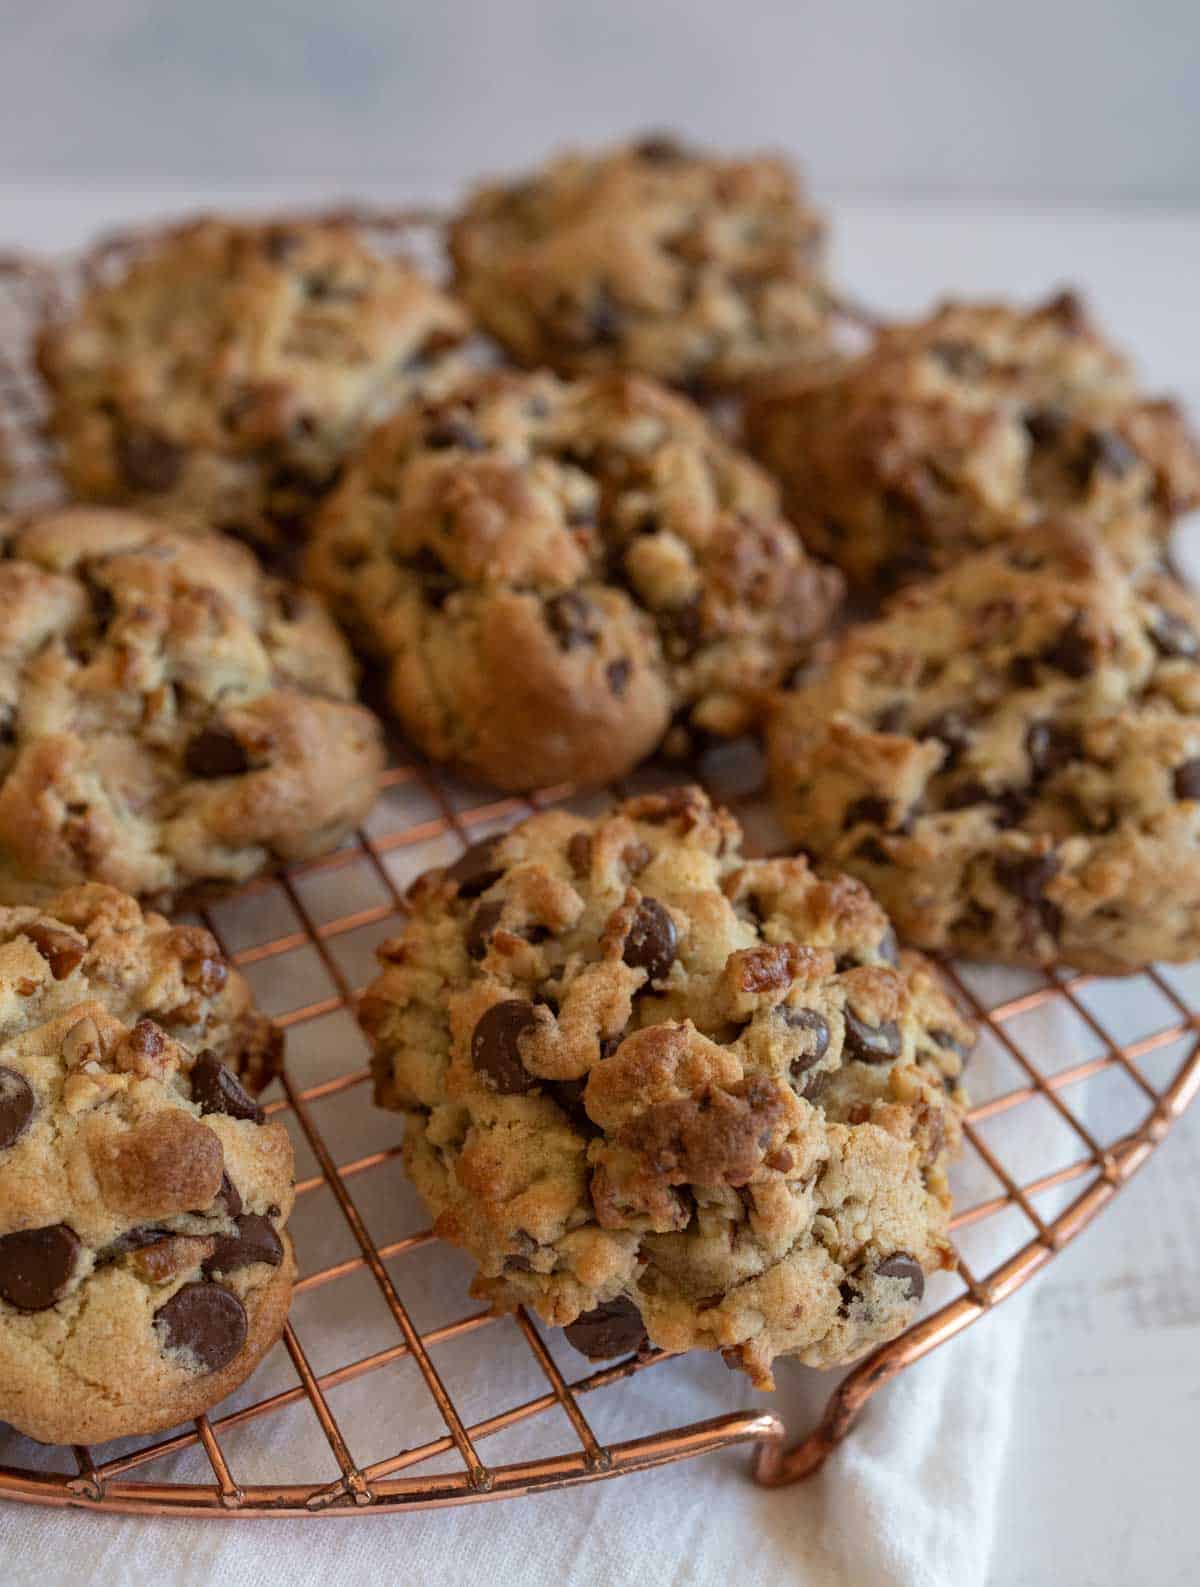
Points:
x=559, y=574
x=170, y=719
x=659, y=1090
x=222, y=376
x=651, y=256
x=957, y=429
x=1010, y=758
x=144, y=1268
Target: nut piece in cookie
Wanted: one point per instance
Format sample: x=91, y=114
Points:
x=223, y=374
x=956, y=430
x=167, y=983
x=144, y=1263
x=560, y=574
x=1010, y=758
x=652, y=256
x=171, y=719
x=656, y=1090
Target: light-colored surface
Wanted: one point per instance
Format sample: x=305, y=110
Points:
x=1094, y=1486
x=1084, y=97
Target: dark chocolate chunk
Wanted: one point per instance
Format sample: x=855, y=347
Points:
x=1104, y=451
x=1046, y=424
x=617, y=673
x=1187, y=780
x=613, y=1328
x=475, y=869
x=229, y=1196
x=148, y=461
x=454, y=429
x=1072, y=652
x=901, y=1265
x=481, y=925
x=203, y=1322
x=573, y=620
x=605, y=319
x=1051, y=746
x=215, y=752
x=255, y=1241
x=871, y=1044
x=218, y=1090
x=817, y=1027
x=17, y=1106
x=660, y=148
x=869, y=808
x=1026, y=875
x=651, y=940
x=952, y=730
x=36, y=1266
x=495, y=1046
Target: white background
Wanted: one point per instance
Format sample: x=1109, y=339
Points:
x=1074, y=99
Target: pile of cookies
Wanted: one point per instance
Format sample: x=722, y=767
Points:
x=598, y=495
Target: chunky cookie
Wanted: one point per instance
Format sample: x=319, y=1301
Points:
x=556, y=572
x=144, y=1270
x=223, y=375
x=1010, y=758
x=170, y=719
x=656, y=1089
x=953, y=431
x=652, y=256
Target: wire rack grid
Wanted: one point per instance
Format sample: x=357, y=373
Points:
x=305, y=940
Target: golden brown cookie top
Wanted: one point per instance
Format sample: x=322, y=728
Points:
x=1031, y=719
x=590, y=504
x=650, y=256
x=956, y=429
x=224, y=344
x=167, y=711
x=613, y=1035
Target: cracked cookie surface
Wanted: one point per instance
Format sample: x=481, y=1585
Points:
x=1010, y=758
x=652, y=256
x=656, y=1089
x=956, y=430
x=559, y=574
x=170, y=718
x=223, y=376
x=144, y=1267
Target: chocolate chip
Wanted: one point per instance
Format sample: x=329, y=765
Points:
x=17, y=1105
x=605, y=319
x=617, y=672
x=951, y=729
x=871, y=1044
x=454, y=429
x=890, y=717
x=1104, y=451
x=959, y=358
x=1011, y=804
x=218, y=1090
x=569, y=1096
x=901, y=1265
x=870, y=809
x=36, y=1266
x=872, y=852
x=61, y=951
x=481, y=925
x=948, y=1040
x=1171, y=636
x=147, y=460
x=1187, y=780
x=807, y=1019
x=229, y=1197
x=1050, y=747
x=573, y=619
x=278, y=244
x=660, y=148
x=613, y=1328
x=475, y=869
x=651, y=940
x=1026, y=875
x=1022, y=671
x=579, y=853
x=205, y=1322
x=135, y=1240
x=495, y=1046
x=1072, y=652
x=215, y=752
x=1046, y=424
x=255, y=1241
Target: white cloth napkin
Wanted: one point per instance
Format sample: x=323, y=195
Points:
x=908, y=1501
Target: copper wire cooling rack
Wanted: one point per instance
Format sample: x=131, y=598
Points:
x=304, y=938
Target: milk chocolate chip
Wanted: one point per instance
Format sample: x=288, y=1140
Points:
x=205, y=1322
